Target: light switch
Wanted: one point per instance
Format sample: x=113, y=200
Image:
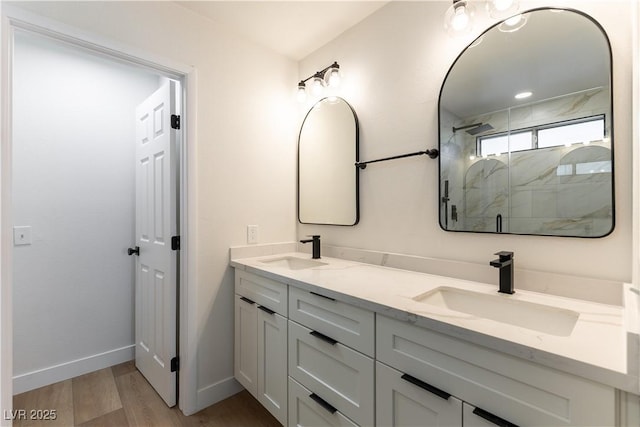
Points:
x=22, y=235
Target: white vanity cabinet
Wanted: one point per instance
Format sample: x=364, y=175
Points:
x=499, y=386
x=326, y=340
x=313, y=360
x=260, y=348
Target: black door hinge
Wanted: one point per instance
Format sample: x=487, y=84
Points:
x=175, y=243
x=175, y=364
x=175, y=121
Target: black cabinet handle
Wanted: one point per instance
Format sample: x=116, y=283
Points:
x=266, y=310
x=493, y=418
x=322, y=296
x=247, y=300
x=320, y=401
x=428, y=387
x=323, y=337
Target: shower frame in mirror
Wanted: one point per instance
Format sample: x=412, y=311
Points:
x=321, y=177
x=467, y=122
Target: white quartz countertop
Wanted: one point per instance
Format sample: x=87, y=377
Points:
x=602, y=346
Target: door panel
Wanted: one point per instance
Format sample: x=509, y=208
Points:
x=156, y=222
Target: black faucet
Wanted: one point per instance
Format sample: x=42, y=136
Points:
x=505, y=264
x=316, y=245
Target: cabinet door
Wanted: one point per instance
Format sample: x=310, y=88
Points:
x=272, y=363
x=245, y=357
x=408, y=402
x=350, y=325
x=341, y=376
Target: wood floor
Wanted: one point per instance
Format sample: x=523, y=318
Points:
x=120, y=396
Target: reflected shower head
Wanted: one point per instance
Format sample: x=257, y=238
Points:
x=475, y=128
x=480, y=129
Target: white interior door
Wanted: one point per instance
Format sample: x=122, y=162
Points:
x=156, y=223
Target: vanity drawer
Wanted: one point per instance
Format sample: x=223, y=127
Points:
x=514, y=389
x=343, y=377
x=344, y=323
x=263, y=291
x=307, y=412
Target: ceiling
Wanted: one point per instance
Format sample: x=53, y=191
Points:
x=291, y=28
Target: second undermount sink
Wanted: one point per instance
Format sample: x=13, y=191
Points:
x=293, y=263
x=504, y=309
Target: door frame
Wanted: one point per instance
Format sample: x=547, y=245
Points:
x=15, y=19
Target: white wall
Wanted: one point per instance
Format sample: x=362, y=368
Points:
x=393, y=65
x=73, y=183
x=244, y=143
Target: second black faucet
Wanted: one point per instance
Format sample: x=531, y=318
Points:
x=315, y=239
x=505, y=264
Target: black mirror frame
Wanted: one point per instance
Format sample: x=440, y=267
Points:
x=356, y=169
x=613, y=201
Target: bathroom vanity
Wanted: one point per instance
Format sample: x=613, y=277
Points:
x=342, y=343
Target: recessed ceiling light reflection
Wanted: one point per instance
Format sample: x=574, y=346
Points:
x=523, y=95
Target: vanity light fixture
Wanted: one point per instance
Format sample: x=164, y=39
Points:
x=329, y=76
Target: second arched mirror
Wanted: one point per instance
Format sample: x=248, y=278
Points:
x=516, y=110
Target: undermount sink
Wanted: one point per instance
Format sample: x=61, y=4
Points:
x=293, y=263
x=503, y=309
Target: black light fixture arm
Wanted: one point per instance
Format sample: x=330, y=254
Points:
x=319, y=74
x=433, y=153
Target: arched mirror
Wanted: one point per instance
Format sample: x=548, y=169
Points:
x=327, y=154
x=526, y=137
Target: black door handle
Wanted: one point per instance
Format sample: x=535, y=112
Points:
x=493, y=418
x=266, y=310
x=323, y=337
x=428, y=387
x=132, y=251
x=320, y=401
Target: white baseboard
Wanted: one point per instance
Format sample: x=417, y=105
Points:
x=216, y=392
x=64, y=371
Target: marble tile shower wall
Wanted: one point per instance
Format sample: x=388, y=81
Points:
x=526, y=189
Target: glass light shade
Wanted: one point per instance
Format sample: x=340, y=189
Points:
x=302, y=93
x=317, y=86
x=502, y=8
x=333, y=77
x=458, y=18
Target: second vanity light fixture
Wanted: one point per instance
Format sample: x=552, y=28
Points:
x=328, y=76
x=459, y=17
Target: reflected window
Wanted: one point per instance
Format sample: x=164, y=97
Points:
x=574, y=132
x=580, y=131
x=503, y=143
x=593, y=167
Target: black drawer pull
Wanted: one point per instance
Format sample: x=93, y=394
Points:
x=266, y=310
x=320, y=401
x=431, y=389
x=493, y=418
x=323, y=337
x=247, y=300
x=322, y=296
